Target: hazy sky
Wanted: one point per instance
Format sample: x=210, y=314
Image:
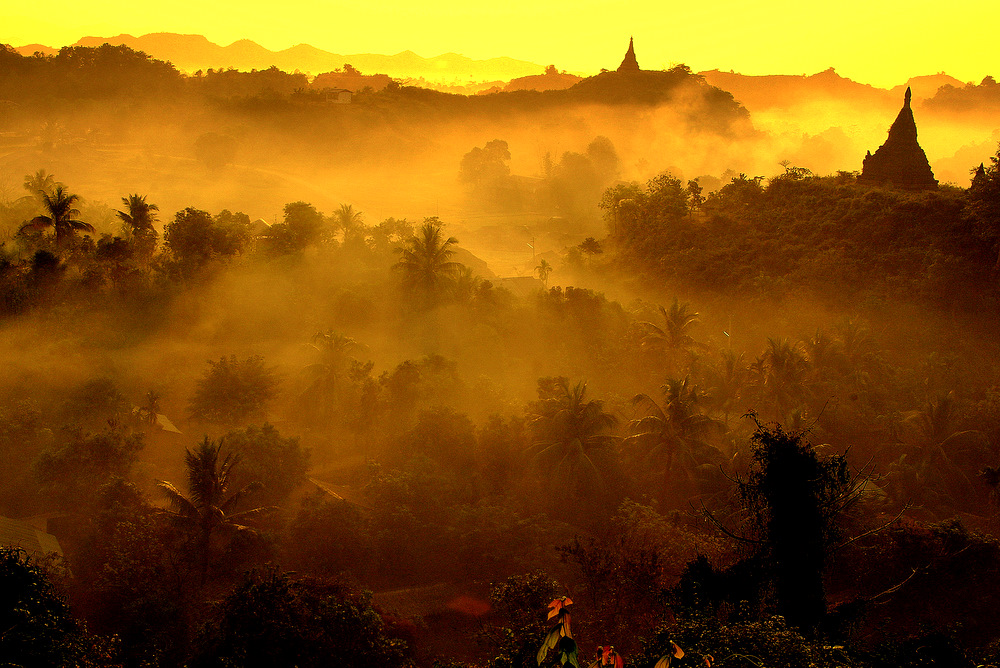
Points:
x=874, y=41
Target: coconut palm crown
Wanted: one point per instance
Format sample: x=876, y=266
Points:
x=59, y=204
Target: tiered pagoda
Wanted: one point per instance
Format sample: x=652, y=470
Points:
x=900, y=162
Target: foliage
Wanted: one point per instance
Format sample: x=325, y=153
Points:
x=273, y=620
x=633, y=212
x=560, y=636
x=211, y=507
x=72, y=474
x=577, y=179
x=984, y=202
x=745, y=644
x=425, y=261
x=517, y=601
x=38, y=629
x=674, y=445
x=24, y=435
x=793, y=499
x=571, y=439
x=486, y=173
x=331, y=537
x=830, y=240
x=194, y=238
x=138, y=219
x=446, y=437
x=277, y=463
x=60, y=215
x=127, y=583
x=234, y=391
x=301, y=227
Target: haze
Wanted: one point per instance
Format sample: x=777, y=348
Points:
x=400, y=360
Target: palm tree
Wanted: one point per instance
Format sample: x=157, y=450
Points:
x=780, y=373
x=348, y=221
x=727, y=383
x=335, y=353
x=425, y=261
x=939, y=460
x=39, y=182
x=138, y=218
x=543, y=270
x=571, y=434
x=139, y=215
x=61, y=212
x=671, y=441
x=673, y=337
x=209, y=508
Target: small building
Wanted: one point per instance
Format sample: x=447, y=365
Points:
x=338, y=95
x=899, y=162
x=21, y=534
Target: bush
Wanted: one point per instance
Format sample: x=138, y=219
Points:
x=273, y=621
x=234, y=391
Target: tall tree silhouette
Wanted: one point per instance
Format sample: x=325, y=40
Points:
x=572, y=437
x=793, y=498
x=348, y=221
x=426, y=262
x=671, y=441
x=670, y=340
x=210, y=507
x=59, y=205
x=39, y=182
x=138, y=217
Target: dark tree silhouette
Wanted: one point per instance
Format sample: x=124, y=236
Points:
x=571, y=438
x=426, y=262
x=61, y=215
x=234, y=391
x=36, y=628
x=138, y=218
x=671, y=441
x=793, y=499
x=210, y=507
x=271, y=619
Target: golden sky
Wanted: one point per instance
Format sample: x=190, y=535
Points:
x=874, y=41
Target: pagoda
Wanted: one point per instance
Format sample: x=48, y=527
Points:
x=629, y=64
x=900, y=161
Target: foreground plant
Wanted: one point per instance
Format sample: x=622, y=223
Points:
x=560, y=639
x=560, y=636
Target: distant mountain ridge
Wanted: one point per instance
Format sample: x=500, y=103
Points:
x=784, y=90
x=196, y=52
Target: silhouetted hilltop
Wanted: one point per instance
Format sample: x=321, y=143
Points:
x=119, y=72
x=926, y=86
x=551, y=80
x=195, y=52
x=700, y=105
x=981, y=99
x=32, y=49
x=642, y=86
x=786, y=90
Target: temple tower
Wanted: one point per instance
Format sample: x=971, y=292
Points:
x=900, y=161
x=629, y=64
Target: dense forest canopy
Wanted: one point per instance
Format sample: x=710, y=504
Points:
x=730, y=419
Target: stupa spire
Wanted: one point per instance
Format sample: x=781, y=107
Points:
x=629, y=64
x=900, y=161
